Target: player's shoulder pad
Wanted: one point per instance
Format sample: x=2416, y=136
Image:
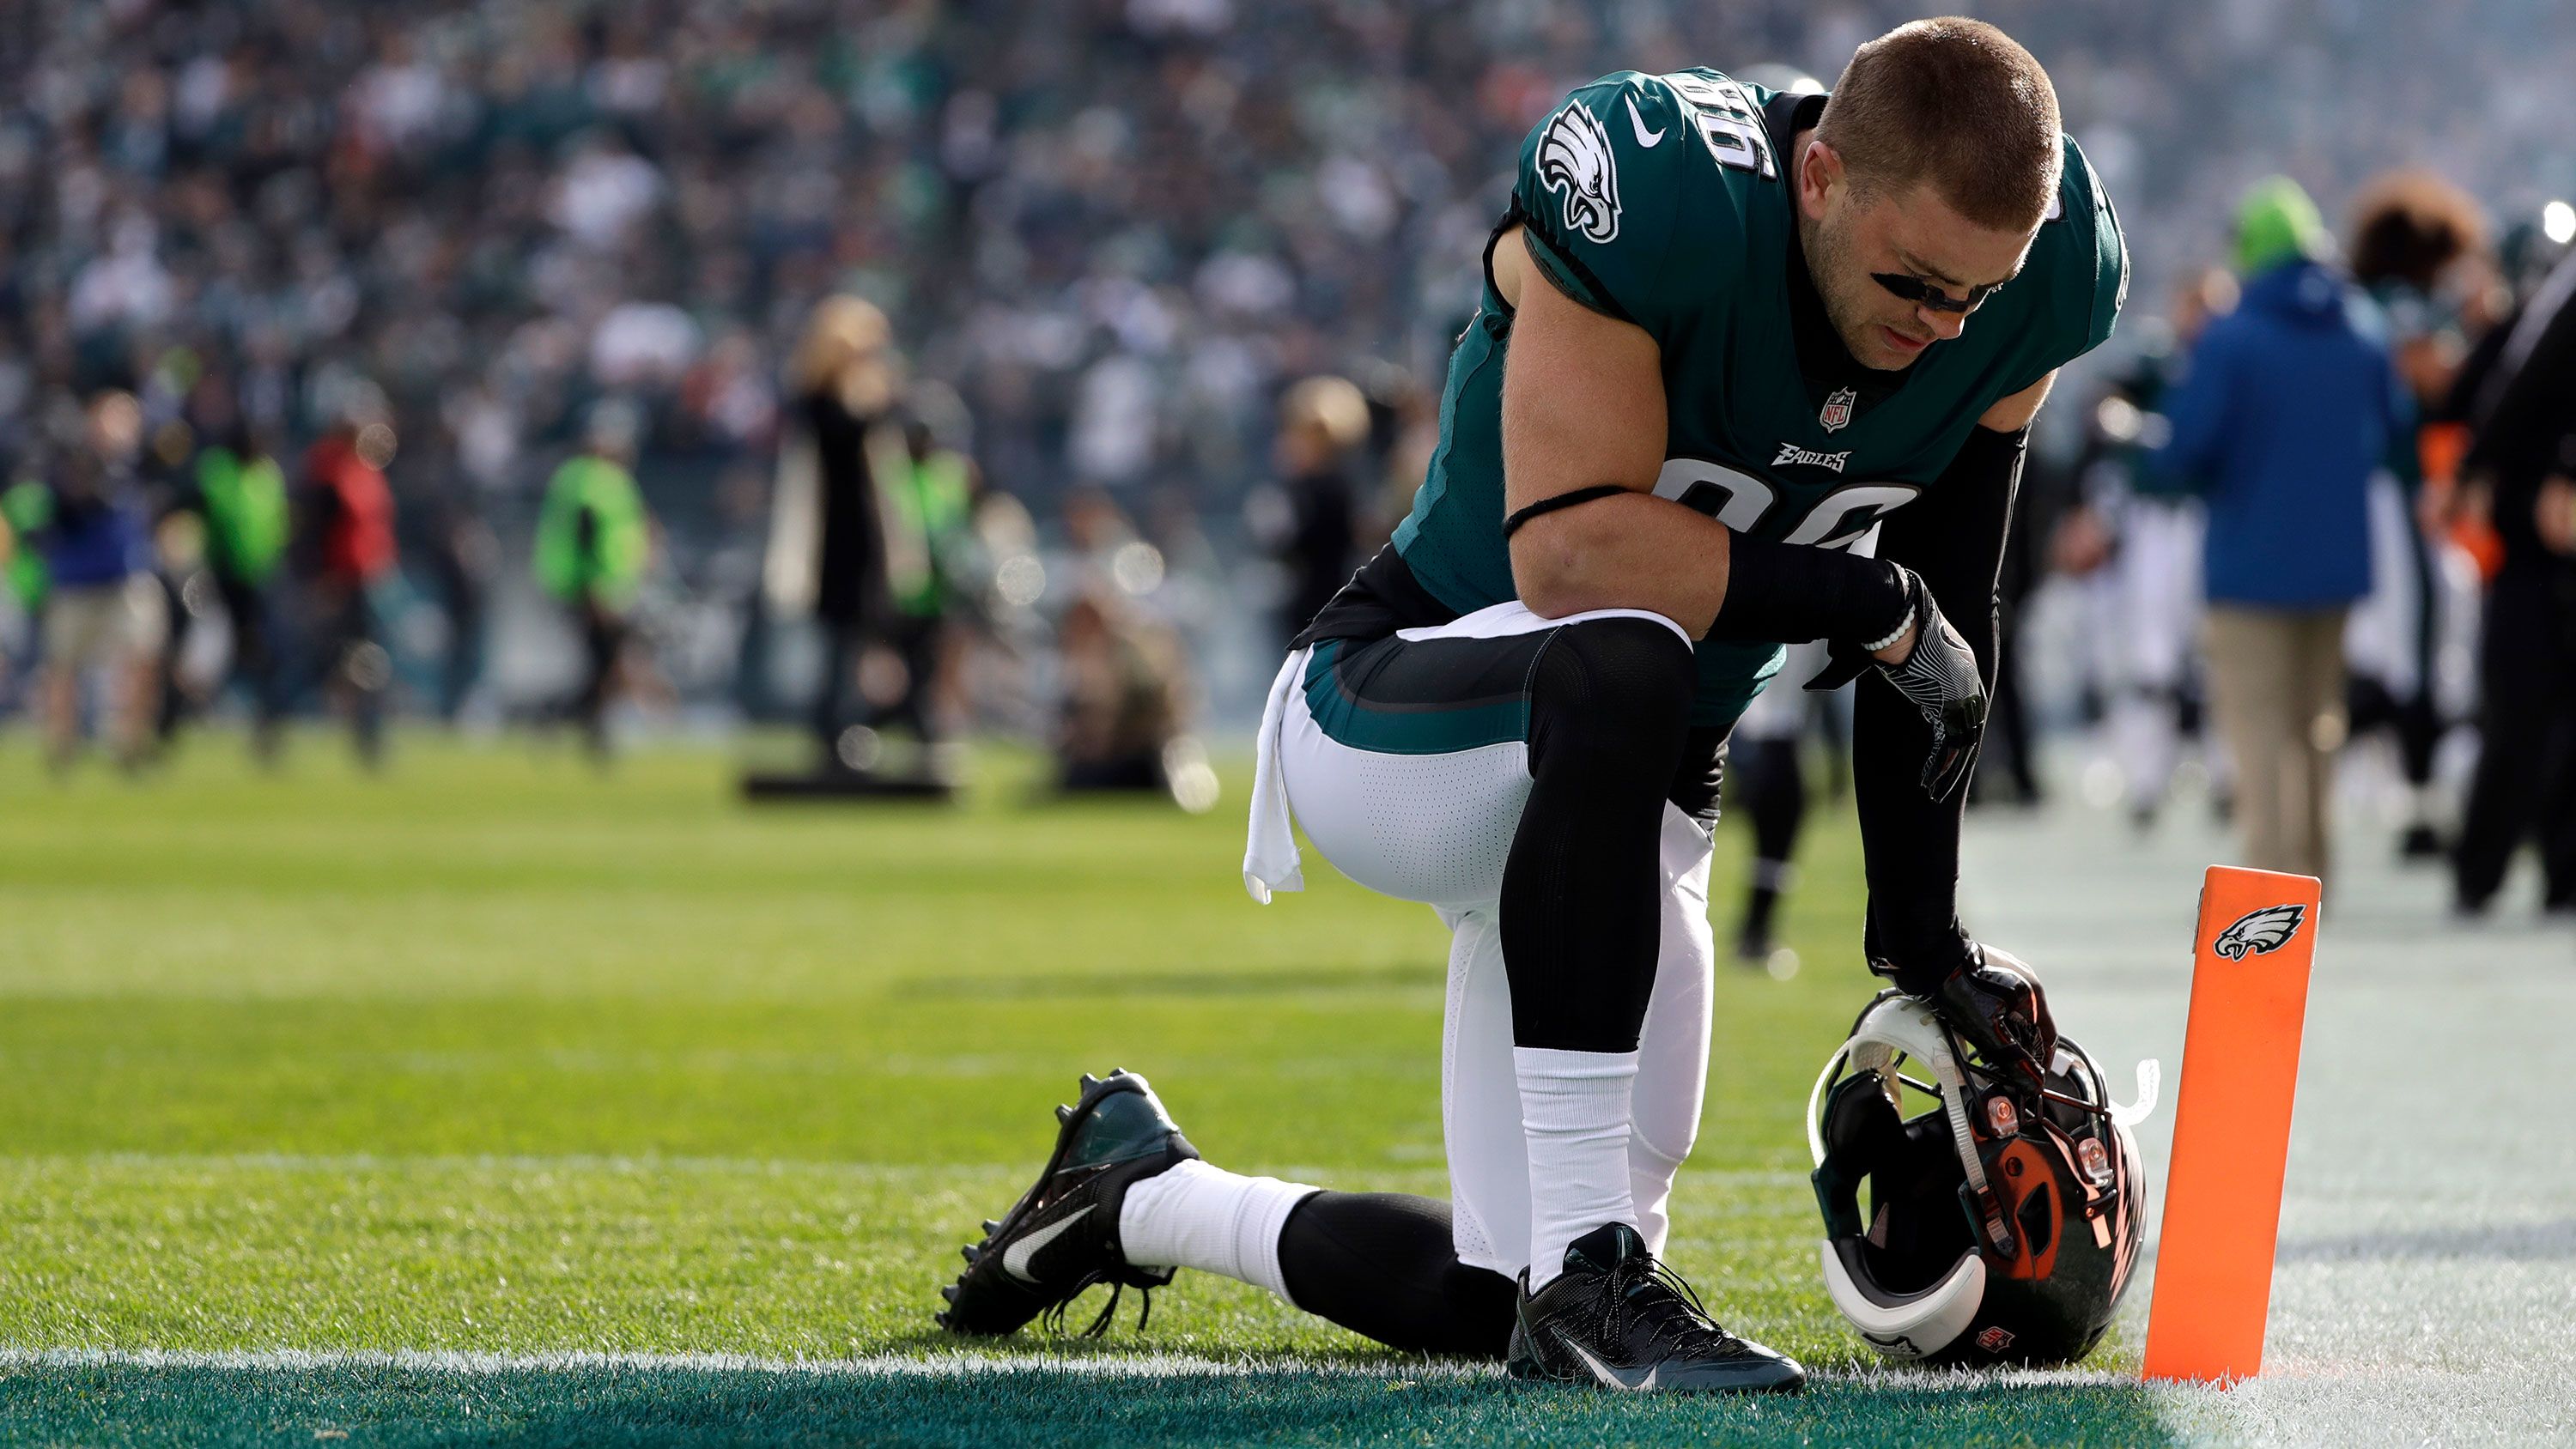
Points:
x=2096, y=279
x=1620, y=166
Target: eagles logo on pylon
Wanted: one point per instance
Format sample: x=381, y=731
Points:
x=1574, y=160
x=2257, y=932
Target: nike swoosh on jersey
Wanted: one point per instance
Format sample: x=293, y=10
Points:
x=1016, y=1261
x=1648, y=139
x=1613, y=1378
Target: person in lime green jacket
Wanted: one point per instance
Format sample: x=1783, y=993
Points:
x=248, y=521
x=593, y=540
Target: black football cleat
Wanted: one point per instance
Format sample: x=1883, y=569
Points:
x=1617, y=1319
x=1062, y=1236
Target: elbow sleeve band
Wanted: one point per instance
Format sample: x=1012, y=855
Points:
x=1789, y=593
x=1513, y=524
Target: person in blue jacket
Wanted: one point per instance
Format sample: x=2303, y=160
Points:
x=2287, y=407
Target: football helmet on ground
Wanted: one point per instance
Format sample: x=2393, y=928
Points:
x=2003, y=1224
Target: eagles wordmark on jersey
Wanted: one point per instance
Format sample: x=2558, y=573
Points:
x=1664, y=201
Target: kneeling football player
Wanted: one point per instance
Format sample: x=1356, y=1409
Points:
x=1751, y=368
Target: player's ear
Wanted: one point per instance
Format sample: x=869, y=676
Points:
x=1820, y=172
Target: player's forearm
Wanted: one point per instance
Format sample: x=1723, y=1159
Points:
x=1637, y=551
x=1909, y=841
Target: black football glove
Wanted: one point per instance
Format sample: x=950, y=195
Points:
x=1939, y=674
x=1995, y=1005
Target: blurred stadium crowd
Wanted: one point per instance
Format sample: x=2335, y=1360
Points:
x=457, y=244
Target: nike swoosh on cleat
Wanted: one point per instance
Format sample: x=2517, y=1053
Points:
x=1648, y=139
x=1614, y=1378
x=1016, y=1261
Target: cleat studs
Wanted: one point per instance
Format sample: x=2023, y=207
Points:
x=1064, y=1114
x=949, y=1292
x=990, y=1227
x=1089, y=1081
x=970, y=1253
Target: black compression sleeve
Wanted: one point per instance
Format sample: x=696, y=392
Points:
x=1954, y=539
x=1789, y=593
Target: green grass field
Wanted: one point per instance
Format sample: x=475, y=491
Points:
x=663, y=1118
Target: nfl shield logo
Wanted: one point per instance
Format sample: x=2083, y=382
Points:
x=1837, y=410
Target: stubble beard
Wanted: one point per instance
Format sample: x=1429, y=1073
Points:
x=1826, y=251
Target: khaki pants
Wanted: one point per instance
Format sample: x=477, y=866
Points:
x=2276, y=685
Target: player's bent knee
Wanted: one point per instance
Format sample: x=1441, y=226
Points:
x=1612, y=690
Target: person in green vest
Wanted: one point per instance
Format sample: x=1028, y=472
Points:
x=25, y=507
x=927, y=498
x=242, y=492
x=593, y=540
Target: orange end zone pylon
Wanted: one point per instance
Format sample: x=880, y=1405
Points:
x=2231, y=1146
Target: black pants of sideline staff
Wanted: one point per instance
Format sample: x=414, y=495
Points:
x=2526, y=775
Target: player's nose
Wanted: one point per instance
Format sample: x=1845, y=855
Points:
x=1944, y=325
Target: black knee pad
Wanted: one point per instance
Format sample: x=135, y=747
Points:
x=1612, y=695
x=1382, y=1264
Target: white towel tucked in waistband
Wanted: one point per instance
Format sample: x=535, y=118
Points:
x=1270, y=848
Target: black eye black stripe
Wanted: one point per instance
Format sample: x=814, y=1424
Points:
x=1916, y=290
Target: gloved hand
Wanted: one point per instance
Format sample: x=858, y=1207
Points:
x=1995, y=1005
x=1939, y=674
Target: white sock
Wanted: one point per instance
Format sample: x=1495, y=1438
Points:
x=1576, y=1118
x=1198, y=1216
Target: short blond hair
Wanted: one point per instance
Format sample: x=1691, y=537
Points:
x=1333, y=406
x=1957, y=104
x=843, y=330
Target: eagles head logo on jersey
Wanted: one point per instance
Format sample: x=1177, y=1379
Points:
x=2257, y=932
x=1574, y=160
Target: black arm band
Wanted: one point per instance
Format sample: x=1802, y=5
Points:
x=1513, y=524
x=1789, y=593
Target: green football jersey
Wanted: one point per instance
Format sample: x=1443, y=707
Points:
x=1664, y=201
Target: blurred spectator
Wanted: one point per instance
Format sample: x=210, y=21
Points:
x=104, y=613
x=1766, y=782
x=2523, y=460
x=1314, y=530
x=2413, y=232
x=463, y=556
x=242, y=493
x=25, y=503
x=2144, y=543
x=344, y=529
x=593, y=540
x=1126, y=700
x=827, y=539
x=928, y=497
x=2289, y=404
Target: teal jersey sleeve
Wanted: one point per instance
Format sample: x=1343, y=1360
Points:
x=1626, y=173
x=2087, y=273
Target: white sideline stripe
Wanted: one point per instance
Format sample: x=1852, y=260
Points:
x=891, y=1366
x=501, y=1162
x=714, y=1166
x=298, y=1360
